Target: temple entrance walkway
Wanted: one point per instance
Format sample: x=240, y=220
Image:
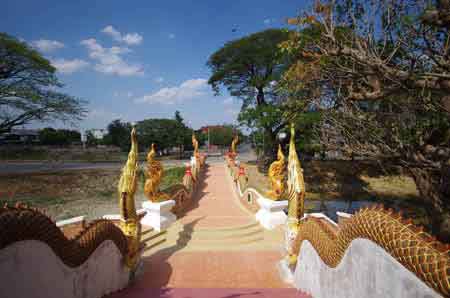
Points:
x=215, y=250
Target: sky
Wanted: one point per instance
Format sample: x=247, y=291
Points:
x=134, y=60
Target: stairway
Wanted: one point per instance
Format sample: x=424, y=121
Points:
x=248, y=236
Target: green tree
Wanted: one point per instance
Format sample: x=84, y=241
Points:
x=380, y=71
x=165, y=133
x=182, y=134
x=51, y=136
x=27, y=84
x=118, y=134
x=250, y=68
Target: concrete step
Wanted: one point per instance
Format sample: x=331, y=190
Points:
x=219, y=243
x=215, y=235
x=152, y=239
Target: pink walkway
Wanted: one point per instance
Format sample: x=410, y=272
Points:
x=216, y=273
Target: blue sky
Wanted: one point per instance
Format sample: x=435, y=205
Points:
x=141, y=59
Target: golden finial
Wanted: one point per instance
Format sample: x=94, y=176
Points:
x=295, y=182
x=234, y=143
x=276, y=176
x=195, y=144
x=155, y=172
x=129, y=223
x=128, y=181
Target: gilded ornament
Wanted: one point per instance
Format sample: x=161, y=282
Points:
x=233, y=145
x=277, y=175
x=130, y=224
x=155, y=172
x=296, y=197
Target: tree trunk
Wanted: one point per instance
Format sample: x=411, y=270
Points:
x=434, y=187
x=269, y=150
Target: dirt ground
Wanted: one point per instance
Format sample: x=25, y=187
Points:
x=354, y=183
x=68, y=194
x=94, y=192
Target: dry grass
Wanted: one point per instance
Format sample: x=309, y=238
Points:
x=331, y=181
x=73, y=193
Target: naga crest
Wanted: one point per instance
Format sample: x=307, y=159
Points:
x=129, y=223
x=234, y=143
x=277, y=176
x=195, y=144
x=296, y=183
x=128, y=181
x=155, y=173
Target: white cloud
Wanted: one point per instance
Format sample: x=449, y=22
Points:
x=47, y=46
x=129, y=38
x=109, y=60
x=172, y=36
x=132, y=38
x=159, y=80
x=170, y=95
x=69, y=66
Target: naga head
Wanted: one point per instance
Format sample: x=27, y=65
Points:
x=280, y=155
x=152, y=153
x=234, y=143
x=194, y=143
x=296, y=183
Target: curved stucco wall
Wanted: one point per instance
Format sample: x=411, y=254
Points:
x=365, y=271
x=31, y=269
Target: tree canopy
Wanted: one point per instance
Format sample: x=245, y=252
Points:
x=165, y=133
x=250, y=68
x=118, y=134
x=51, y=136
x=27, y=88
x=379, y=71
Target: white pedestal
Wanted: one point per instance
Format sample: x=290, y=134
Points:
x=158, y=215
x=286, y=272
x=271, y=213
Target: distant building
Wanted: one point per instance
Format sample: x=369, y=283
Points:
x=20, y=136
x=99, y=133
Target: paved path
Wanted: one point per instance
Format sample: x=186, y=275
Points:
x=216, y=205
x=227, y=270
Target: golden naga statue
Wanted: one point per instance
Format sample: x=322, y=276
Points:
x=233, y=144
x=296, y=197
x=155, y=173
x=277, y=176
x=195, y=144
x=130, y=223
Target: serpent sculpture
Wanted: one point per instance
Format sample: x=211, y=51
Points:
x=296, y=197
x=195, y=145
x=233, y=145
x=276, y=175
x=21, y=223
x=416, y=250
x=155, y=173
x=130, y=223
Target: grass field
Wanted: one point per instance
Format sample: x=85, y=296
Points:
x=329, y=182
x=73, y=193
